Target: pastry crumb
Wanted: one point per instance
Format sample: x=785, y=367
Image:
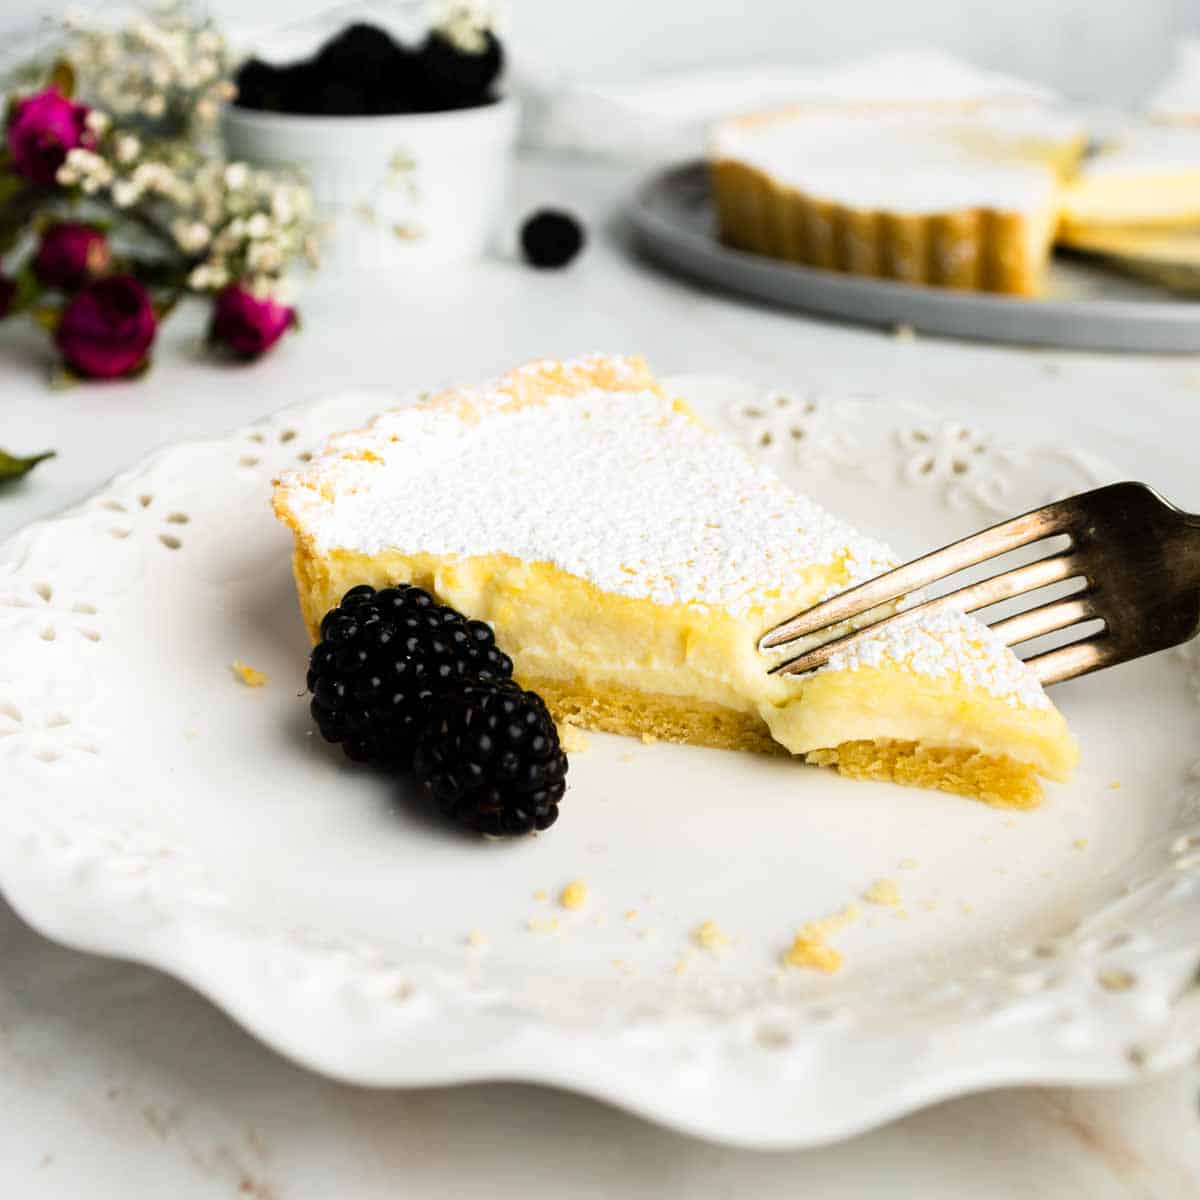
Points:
x=810, y=948
x=884, y=892
x=572, y=739
x=622, y=966
x=904, y=332
x=574, y=895
x=1080, y=843
x=631, y=914
x=543, y=925
x=813, y=951
x=627, y=757
x=476, y=938
x=928, y=905
x=1115, y=786
x=541, y=895
x=248, y=675
x=967, y=909
x=648, y=739
x=646, y=934
x=909, y=864
x=681, y=964
x=710, y=937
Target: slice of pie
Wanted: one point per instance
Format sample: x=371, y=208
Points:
x=960, y=195
x=1170, y=257
x=1148, y=178
x=629, y=557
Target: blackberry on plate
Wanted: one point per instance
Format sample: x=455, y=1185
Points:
x=550, y=238
x=383, y=659
x=491, y=760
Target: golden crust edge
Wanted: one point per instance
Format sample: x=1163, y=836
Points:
x=978, y=249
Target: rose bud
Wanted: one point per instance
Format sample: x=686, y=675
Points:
x=107, y=328
x=71, y=254
x=247, y=324
x=8, y=293
x=41, y=129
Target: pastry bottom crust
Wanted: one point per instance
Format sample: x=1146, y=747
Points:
x=997, y=781
x=974, y=249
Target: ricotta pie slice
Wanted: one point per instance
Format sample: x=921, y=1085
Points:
x=1146, y=179
x=960, y=196
x=629, y=557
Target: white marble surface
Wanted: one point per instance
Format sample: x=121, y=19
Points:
x=117, y=1082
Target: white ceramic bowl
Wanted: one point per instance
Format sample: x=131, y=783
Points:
x=421, y=186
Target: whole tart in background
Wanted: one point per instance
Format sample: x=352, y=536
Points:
x=940, y=179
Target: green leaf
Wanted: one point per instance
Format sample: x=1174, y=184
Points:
x=61, y=77
x=47, y=316
x=12, y=467
x=27, y=292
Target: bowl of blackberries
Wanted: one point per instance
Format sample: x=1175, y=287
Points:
x=407, y=145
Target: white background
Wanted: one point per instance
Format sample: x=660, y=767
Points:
x=1097, y=50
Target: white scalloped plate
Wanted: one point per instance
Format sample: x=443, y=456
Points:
x=156, y=809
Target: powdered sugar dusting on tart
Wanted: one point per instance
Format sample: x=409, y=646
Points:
x=945, y=643
x=609, y=480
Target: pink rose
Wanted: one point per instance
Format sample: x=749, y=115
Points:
x=107, y=328
x=247, y=325
x=8, y=293
x=41, y=129
x=69, y=255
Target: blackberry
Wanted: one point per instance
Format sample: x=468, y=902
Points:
x=383, y=659
x=454, y=78
x=490, y=759
x=551, y=238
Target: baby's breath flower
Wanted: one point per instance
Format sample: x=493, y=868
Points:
x=126, y=193
x=464, y=23
x=258, y=226
x=154, y=105
x=191, y=236
x=237, y=175
x=264, y=256
x=127, y=147
x=97, y=121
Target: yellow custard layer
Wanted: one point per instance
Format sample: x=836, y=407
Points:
x=691, y=673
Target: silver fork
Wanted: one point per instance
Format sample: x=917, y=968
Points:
x=1134, y=556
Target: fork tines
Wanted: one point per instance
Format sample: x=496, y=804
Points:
x=826, y=620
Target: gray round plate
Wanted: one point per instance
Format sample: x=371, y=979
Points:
x=1085, y=307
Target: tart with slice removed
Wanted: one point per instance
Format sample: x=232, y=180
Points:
x=629, y=557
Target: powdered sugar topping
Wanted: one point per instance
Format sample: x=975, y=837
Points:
x=618, y=488
x=626, y=490
x=946, y=643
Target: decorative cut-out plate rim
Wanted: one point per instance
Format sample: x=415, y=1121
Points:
x=765, y=1070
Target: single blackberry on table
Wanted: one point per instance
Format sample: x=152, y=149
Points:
x=550, y=238
x=383, y=659
x=491, y=760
